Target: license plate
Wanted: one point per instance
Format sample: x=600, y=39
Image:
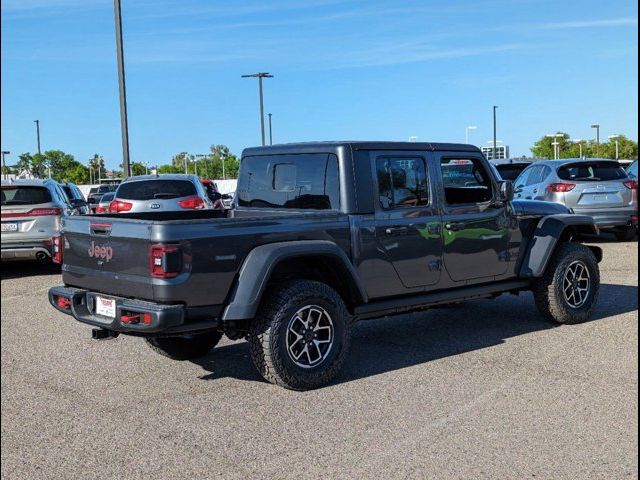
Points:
x=106, y=307
x=9, y=227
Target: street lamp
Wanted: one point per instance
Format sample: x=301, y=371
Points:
x=4, y=163
x=556, y=144
x=466, y=132
x=270, y=130
x=616, y=137
x=597, y=127
x=260, y=76
x=124, y=125
x=579, y=142
x=37, y=122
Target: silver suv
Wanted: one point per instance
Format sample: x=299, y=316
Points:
x=160, y=193
x=595, y=187
x=31, y=212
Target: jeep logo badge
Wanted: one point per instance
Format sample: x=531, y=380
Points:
x=154, y=205
x=100, y=252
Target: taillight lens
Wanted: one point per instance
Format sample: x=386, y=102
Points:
x=119, y=206
x=192, y=203
x=35, y=212
x=561, y=187
x=165, y=261
x=631, y=184
x=57, y=244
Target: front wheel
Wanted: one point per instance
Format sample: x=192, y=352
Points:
x=185, y=347
x=301, y=335
x=568, y=291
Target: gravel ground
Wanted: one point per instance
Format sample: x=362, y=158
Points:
x=483, y=390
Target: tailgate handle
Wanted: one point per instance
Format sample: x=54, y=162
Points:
x=100, y=228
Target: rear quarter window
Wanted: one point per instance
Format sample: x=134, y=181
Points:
x=592, y=171
x=156, y=189
x=25, y=195
x=296, y=181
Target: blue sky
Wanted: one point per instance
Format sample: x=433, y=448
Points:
x=350, y=69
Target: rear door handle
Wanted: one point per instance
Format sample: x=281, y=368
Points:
x=454, y=226
x=397, y=231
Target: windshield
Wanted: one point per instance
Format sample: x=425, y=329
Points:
x=156, y=189
x=20, y=195
x=592, y=171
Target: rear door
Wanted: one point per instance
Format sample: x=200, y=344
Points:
x=476, y=228
x=108, y=255
x=408, y=227
x=29, y=213
x=598, y=185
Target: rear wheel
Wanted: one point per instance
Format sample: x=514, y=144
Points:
x=627, y=234
x=185, y=347
x=301, y=335
x=568, y=290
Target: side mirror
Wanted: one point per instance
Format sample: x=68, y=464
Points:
x=215, y=196
x=506, y=191
x=78, y=203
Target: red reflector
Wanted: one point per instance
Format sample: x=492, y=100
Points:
x=35, y=212
x=130, y=318
x=63, y=302
x=57, y=248
x=146, y=318
x=561, y=187
x=192, y=203
x=631, y=185
x=119, y=206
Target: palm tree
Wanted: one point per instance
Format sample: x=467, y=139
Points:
x=96, y=162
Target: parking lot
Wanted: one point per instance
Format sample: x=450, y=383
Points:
x=482, y=390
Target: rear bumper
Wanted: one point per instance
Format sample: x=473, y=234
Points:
x=26, y=250
x=611, y=218
x=161, y=319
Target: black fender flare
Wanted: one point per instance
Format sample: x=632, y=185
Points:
x=545, y=239
x=259, y=264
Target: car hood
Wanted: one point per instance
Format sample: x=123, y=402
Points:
x=537, y=207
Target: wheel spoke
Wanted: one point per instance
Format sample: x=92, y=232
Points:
x=309, y=336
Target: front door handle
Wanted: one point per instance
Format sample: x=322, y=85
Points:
x=454, y=226
x=397, y=231
x=535, y=190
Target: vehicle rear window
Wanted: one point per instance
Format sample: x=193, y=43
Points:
x=25, y=195
x=107, y=197
x=300, y=181
x=510, y=172
x=156, y=189
x=592, y=171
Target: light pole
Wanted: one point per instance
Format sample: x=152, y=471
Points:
x=495, y=133
x=597, y=127
x=466, y=132
x=37, y=122
x=124, y=125
x=260, y=76
x=270, y=130
x=615, y=138
x=556, y=144
x=579, y=142
x=4, y=163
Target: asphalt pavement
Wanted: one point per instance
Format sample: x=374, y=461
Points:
x=486, y=389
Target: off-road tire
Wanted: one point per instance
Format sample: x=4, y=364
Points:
x=547, y=290
x=185, y=347
x=627, y=234
x=268, y=333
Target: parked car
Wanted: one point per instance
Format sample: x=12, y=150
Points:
x=595, y=187
x=103, y=204
x=31, y=215
x=323, y=234
x=75, y=197
x=162, y=193
x=510, y=169
x=227, y=200
x=213, y=193
x=95, y=194
x=632, y=170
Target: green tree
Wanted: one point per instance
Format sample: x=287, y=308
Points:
x=24, y=163
x=169, y=169
x=78, y=174
x=627, y=148
x=138, y=168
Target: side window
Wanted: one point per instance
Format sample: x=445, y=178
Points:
x=537, y=175
x=466, y=181
x=402, y=182
x=521, y=181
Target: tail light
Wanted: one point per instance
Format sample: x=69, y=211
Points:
x=165, y=261
x=561, y=187
x=631, y=184
x=35, y=212
x=57, y=248
x=100, y=209
x=192, y=203
x=117, y=206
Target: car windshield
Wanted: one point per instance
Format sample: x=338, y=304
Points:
x=25, y=195
x=592, y=171
x=156, y=189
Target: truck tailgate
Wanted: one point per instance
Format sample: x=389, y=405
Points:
x=107, y=256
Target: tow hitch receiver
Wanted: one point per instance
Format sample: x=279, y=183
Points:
x=102, y=334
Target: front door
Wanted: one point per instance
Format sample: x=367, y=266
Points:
x=475, y=227
x=408, y=226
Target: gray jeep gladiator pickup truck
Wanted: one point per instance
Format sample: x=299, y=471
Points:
x=321, y=235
